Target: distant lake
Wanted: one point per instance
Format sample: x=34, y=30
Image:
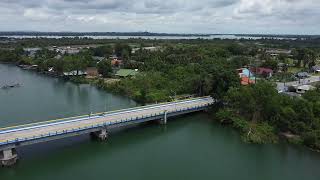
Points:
x=228, y=36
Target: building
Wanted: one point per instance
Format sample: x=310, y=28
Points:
x=302, y=75
x=152, y=48
x=116, y=62
x=277, y=52
x=114, y=57
x=66, y=50
x=92, y=71
x=98, y=58
x=304, y=88
x=246, y=76
x=265, y=72
x=75, y=73
x=315, y=69
x=123, y=73
x=246, y=81
x=31, y=52
x=245, y=72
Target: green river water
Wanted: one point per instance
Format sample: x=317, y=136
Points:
x=188, y=147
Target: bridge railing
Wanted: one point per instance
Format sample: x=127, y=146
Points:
x=96, y=115
x=97, y=125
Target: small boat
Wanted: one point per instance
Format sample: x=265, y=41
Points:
x=10, y=86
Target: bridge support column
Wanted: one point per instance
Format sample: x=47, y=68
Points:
x=8, y=157
x=164, y=119
x=101, y=135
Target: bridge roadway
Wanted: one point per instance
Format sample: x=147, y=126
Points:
x=12, y=137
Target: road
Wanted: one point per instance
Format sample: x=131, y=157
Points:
x=13, y=133
x=282, y=87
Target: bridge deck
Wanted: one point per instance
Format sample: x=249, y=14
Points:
x=37, y=130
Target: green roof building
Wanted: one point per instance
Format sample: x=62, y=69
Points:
x=127, y=73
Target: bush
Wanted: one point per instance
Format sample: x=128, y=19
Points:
x=312, y=139
x=261, y=133
x=252, y=132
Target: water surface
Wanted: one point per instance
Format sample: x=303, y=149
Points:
x=189, y=147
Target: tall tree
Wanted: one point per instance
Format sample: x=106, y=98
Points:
x=104, y=68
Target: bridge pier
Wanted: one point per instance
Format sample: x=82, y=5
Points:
x=163, y=120
x=8, y=157
x=101, y=135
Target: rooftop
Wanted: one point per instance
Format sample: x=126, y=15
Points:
x=127, y=72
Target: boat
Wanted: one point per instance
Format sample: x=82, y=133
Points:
x=10, y=86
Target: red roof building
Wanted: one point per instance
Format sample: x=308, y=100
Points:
x=266, y=72
x=246, y=81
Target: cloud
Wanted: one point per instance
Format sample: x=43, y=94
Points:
x=182, y=16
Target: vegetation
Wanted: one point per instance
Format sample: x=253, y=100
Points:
x=104, y=68
x=260, y=113
x=198, y=67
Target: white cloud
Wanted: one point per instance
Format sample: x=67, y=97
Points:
x=182, y=16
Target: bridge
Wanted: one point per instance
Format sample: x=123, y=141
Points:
x=96, y=125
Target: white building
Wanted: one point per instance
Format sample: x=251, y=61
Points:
x=304, y=88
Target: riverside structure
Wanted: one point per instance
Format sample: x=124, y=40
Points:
x=97, y=125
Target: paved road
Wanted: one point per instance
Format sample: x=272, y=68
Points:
x=312, y=79
x=12, y=133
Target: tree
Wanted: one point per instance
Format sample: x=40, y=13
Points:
x=271, y=63
x=256, y=102
x=122, y=50
x=239, y=61
x=75, y=63
x=283, y=58
x=104, y=68
x=307, y=56
x=102, y=51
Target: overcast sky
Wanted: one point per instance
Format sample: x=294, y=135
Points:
x=170, y=16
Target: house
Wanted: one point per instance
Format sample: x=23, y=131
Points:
x=152, y=49
x=277, y=52
x=92, y=71
x=114, y=57
x=246, y=81
x=282, y=67
x=116, y=62
x=247, y=77
x=66, y=50
x=98, y=58
x=316, y=69
x=302, y=75
x=304, y=88
x=265, y=72
x=31, y=52
x=122, y=73
x=245, y=72
x=58, y=56
x=70, y=50
x=75, y=73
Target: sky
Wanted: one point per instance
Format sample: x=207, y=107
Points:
x=163, y=16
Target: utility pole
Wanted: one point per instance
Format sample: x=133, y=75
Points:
x=255, y=77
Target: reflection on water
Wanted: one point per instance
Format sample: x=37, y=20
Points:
x=42, y=98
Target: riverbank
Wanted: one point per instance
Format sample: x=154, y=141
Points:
x=195, y=142
x=189, y=142
x=250, y=132
x=43, y=97
x=260, y=110
x=256, y=132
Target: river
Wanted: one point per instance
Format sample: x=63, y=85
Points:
x=188, y=147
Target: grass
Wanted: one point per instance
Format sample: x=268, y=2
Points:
x=295, y=69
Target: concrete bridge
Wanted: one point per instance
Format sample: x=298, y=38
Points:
x=95, y=124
